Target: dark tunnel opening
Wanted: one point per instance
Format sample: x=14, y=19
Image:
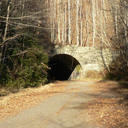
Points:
x=61, y=67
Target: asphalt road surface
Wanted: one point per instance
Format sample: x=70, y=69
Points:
x=59, y=111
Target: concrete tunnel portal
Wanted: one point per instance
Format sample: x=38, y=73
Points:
x=62, y=66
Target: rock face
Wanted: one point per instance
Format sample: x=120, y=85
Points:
x=89, y=58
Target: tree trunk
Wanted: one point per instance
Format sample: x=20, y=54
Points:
x=77, y=22
x=93, y=22
x=5, y=33
x=69, y=21
x=59, y=30
x=65, y=23
x=81, y=26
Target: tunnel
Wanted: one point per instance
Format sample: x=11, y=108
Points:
x=61, y=67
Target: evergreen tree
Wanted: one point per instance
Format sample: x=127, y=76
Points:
x=23, y=61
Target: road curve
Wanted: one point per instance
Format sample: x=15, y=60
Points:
x=58, y=111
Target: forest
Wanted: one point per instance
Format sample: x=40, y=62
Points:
x=28, y=28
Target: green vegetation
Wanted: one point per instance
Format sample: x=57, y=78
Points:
x=78, y=68
x=24, y=63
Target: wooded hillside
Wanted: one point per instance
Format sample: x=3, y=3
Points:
x=80, y=22
x=87, y=23
x=26, y=25
x=22, y=58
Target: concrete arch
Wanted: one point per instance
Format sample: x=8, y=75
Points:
x=62, y=66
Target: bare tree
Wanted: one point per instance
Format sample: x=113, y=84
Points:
x=69, y=21
x=93, y=21
x=16, y=19
x=77, y=21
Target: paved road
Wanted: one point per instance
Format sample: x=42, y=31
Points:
x=59, y=111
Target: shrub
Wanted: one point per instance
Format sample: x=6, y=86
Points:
x=22, y=66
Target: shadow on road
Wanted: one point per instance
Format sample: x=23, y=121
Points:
x=122, y=90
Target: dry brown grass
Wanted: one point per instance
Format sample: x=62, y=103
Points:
x=94, y=75
x=15, y=103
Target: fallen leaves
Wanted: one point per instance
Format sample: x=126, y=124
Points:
x=107, y=111
x=15, y=103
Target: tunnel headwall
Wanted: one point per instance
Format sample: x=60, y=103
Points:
x=90, y=59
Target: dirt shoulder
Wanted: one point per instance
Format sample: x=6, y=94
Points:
x=14, y=103
x=109, y=109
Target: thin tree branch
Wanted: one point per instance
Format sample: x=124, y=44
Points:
x=22, y=17
x=10, y=38
x=27, y=25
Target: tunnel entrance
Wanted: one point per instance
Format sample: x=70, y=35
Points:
x=62, y=66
